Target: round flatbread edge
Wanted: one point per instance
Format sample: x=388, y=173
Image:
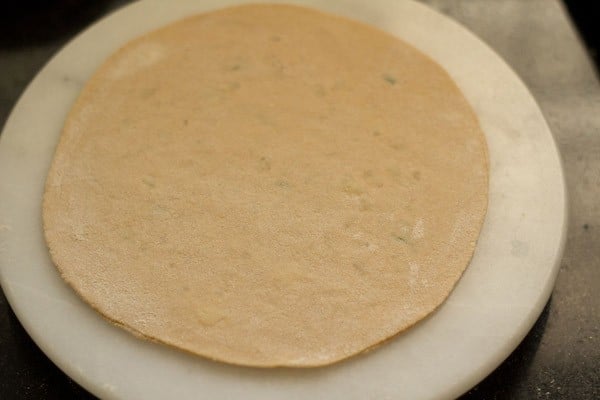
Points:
x=336, y=263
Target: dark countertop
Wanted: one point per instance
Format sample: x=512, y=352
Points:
x=560, y=357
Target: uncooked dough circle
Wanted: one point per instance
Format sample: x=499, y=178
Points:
x=267, y=186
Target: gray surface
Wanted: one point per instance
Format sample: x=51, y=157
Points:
x=537, y=39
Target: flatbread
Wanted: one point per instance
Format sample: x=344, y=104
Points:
x=267, y=185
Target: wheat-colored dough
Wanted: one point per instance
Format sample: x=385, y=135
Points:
x=267, y=186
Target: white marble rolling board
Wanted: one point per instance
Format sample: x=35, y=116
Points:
x=493, y=307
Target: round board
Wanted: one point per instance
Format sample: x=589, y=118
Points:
x=492, y=308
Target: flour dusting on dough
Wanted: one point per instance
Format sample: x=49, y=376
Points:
x=418, y=231
x=413, y=272
x=142, y=56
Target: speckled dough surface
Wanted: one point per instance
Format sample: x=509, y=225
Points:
x=267, y=186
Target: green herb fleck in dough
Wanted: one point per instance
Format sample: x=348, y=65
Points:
x=399, y=238
x=352, y=190
x=148, y=182
x=389, y=79
x=395, y=146
x=264, y=164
